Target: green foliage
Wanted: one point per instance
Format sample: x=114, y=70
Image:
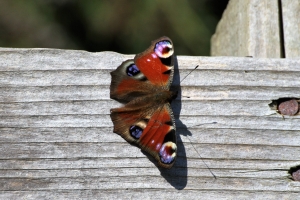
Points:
x=125, y=26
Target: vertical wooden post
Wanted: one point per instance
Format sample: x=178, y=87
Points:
x=258, y=28
x=291, y=28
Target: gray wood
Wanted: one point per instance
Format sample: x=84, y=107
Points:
x=291, y=27
x=57, y=141
x=249, y=28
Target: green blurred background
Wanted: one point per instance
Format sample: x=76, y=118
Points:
x=124, y=26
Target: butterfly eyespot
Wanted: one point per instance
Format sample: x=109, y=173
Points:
x=164, y=49
x=135, y=131
x=132, y=70
x=167, y=152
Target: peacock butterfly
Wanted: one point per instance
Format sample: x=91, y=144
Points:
x=143, y=84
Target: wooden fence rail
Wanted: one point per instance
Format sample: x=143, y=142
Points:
x=57, y=141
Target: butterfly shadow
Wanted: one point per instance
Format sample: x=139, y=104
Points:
x=177, y=175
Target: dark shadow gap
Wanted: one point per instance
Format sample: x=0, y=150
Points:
x=177, y=176
x=281, y=30
x=295, y=173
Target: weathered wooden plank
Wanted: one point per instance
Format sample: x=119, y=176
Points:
x=84, y=120
x=141, y=163
x=146, y=194
x=90, y=150
x=133, y=171
x=291, y=28
x=103, y=134
x=14, y=60
x=56, y=134
x=248, y=28
x=157, y=182
x=89, y=77
x=53, y=93
x=47, y=59
x=82, y=93
x=205, y=107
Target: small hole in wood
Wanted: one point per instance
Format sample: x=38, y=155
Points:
x=286, y=106
x=295, y=173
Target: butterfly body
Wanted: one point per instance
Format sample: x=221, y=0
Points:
x=143, y=84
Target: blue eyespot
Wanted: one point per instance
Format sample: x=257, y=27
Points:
x=132, y=70
x=167, y=152
x=135, y=131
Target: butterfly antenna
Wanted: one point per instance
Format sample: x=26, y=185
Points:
x=187, y=76
x=202, y=159
x=190, y=73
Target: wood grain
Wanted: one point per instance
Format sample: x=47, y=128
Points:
x=57, y=140
x=248, y=28
x=291, y=27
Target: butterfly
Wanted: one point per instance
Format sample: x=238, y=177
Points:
x=143, y=85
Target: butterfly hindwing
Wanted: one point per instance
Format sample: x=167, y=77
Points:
x=143, y=85
x=155, y=135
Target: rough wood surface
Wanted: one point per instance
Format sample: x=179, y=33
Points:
x=291, y=27
x=57, y=142
x=250, y=28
